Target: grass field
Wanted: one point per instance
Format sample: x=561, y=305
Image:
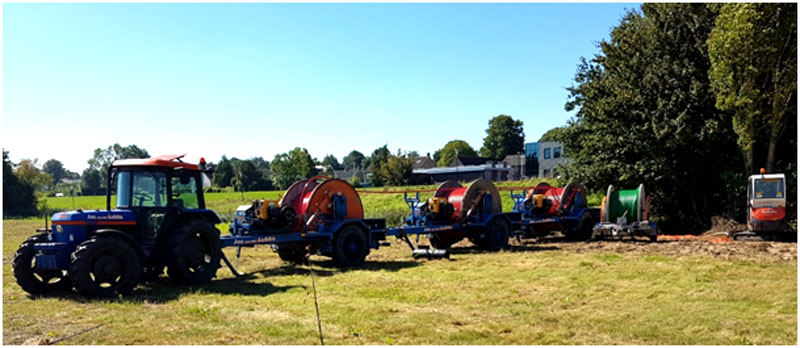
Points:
x=539, y=294
x=534, y=294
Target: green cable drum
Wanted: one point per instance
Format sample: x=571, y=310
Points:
x=629, y=203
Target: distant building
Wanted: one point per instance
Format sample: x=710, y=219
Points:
x=532, y=149
x=516, y=166
x=422, y=162
x=473, y=161
x=494, y=172
x=549, y=155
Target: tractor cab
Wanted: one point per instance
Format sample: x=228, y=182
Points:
x=766, y=202
x=155, y=189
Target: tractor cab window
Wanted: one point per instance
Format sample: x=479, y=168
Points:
x=149, y=189
x=769, y=188
x=184, y=191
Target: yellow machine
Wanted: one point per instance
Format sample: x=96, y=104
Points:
x=262, y=207
x=537, y=200
x=435, y=204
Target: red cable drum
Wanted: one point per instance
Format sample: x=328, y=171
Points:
x=463, y=198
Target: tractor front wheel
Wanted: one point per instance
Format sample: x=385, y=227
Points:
x=31, y=279
x=350, y=247
x=105, y=267
x=196, y=253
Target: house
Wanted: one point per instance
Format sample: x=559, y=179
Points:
x=422, y=162
x=549, y=155
x=516, y=165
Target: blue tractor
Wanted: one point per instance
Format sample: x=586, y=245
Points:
x=155, y=218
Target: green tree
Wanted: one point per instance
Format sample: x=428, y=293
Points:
x=246, y=175
x=377, y=162
x=753, y=53
x=27, y=172
x=56, y=169
x=90, y=182
x=555, y=134
x=645, y=115
x=330, y=160
x=447, y=154
x=223, y=173
x=353, y=160
x=397, y=170
x=503, y=137
x=260, y=163
x=19, y=198
x=103, y=158
x=289, y=167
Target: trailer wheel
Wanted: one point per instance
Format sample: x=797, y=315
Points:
x=350, y=247
x=32, y=280
x=293, y=253
x=105, y=267
x=196, y=253
x=497, y=232
x=584, y=228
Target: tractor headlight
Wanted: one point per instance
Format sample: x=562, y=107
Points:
x=71, y=238
x=59, y=229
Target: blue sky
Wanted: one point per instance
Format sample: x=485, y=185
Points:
x=250, y=80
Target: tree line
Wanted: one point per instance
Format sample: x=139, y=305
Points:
x=689, y=99
x=25, y=179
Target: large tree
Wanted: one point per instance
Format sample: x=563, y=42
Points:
x=353, y=160
x=753, y=53
x=19, y=198
x=91, y=180
x=103, y=158
x=453, y=148
x=223, y=173
x=56, y=169
x=645, y=115
x=330, y=160
x=397, y=170
x=289, y=167
x=503, y=137
x=378, y=161
x=27, y=172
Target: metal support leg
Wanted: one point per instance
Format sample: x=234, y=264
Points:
x=230, y=267
x=238, y=255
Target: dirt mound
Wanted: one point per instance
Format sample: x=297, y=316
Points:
x=721, y=225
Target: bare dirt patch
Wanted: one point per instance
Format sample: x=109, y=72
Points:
x=688, y=246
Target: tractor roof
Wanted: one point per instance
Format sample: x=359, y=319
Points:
x=165, y=161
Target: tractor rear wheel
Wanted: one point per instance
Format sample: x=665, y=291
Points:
x=496, y=235
x=583, y=232
x=350, y=247
x=32, y=280
x=105, y=267
x=196, y=253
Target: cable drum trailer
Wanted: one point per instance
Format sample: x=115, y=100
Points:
x=625, y=213
x=325, y=216
x=545, y=209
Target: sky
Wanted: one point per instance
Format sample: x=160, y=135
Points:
x=246, y=80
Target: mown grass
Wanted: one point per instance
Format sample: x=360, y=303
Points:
x=534, y=295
